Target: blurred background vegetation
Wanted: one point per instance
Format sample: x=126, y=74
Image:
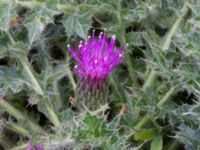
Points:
x=153, y=97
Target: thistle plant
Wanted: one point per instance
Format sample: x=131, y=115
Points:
x=96, y=58
x=154, y=97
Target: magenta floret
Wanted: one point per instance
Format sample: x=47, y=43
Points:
x=39, y=147
x=97, y=57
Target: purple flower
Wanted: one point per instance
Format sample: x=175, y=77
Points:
x=97, y=57
x=39, y=147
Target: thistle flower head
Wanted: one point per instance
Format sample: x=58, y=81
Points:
x=96, y=57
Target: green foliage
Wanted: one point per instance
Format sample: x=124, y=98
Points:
x=157, y=143
x=153, y=96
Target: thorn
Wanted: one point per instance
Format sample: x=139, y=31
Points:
x=80, y=46
x=113, y=37
x=75, y=66
x=89, y=36
x=81, y=41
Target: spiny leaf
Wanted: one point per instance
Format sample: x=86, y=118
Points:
x=6, y=13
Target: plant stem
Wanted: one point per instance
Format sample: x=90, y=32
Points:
x=19, y=115
x=10, y=37
x=34, y=126
x=123, y=42
x=171, y=33
x=53, y=117
x=71, y=78
x=142, y=122
x=34, y=81
x=103, y=108
x=18, y=129
x=166, y=97
x=116, y=87
x=12, y=110
x=22, y=146
x=39, y=90
x=149, y=80
x=58, y=99
x=146, y=118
